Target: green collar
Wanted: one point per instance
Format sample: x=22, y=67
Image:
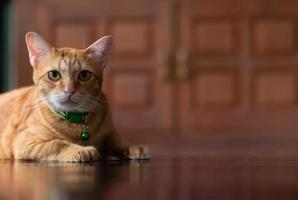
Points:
x=79, y=118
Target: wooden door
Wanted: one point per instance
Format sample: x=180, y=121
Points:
x=140, y=99
x=241, y=69
x=235, y=61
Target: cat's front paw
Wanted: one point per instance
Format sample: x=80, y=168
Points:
x=136, y=153
x=80, y=154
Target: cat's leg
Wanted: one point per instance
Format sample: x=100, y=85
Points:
x=114, y=144
x=34, y=147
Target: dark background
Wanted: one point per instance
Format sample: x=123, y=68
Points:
x=6, y=44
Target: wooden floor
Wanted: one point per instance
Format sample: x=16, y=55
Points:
x=204, y=169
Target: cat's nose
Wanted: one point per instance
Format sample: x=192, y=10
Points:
x=69, y=92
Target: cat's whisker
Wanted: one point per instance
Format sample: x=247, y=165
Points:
x=90, y=105
x=84, y=42
x=97, y=99
x=89, y=97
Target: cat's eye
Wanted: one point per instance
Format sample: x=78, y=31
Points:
x=84, y=75
x=54, y=75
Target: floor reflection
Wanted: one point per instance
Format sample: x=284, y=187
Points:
x=37, y=181
x=187, y=178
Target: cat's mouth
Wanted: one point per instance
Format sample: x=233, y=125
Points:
x=69, y=103
x=65, y=103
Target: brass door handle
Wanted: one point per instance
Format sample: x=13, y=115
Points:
x=164, y=65
x=182, y=68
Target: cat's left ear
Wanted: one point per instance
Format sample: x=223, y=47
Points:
x=100, y=50
x=37, y=47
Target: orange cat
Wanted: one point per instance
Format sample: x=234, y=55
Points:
x=64, y=116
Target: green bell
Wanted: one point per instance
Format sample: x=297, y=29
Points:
x=85, y=135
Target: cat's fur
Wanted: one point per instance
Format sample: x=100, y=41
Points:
x=30, y=130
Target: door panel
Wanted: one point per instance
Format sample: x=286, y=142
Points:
x=140, y=99
x=242, y=65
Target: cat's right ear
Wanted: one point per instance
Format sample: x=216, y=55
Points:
x=37, y=47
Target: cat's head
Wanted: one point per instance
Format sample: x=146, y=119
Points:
x=68, y=79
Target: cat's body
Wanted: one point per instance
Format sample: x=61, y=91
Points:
x=31, y=130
